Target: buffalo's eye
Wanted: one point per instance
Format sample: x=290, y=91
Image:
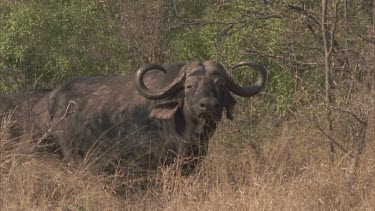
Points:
x=219, y=81
x=189, y=86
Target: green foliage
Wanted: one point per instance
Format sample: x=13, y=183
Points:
x=220, y=36
x=281, y=86
x=210, y=37
x=45, y=43
x=195, y=44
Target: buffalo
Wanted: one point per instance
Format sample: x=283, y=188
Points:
x=160, y=115
x=16, y=110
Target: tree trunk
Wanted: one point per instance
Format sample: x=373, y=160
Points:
x=328, y=48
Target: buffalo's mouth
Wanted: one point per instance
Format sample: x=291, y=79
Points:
x=206, y=121
x=206, y=116
x=209, y=117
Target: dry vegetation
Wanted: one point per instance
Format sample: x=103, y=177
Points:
x=272, y=162
x=288, y=169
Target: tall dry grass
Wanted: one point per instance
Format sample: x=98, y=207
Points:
x=288, y=169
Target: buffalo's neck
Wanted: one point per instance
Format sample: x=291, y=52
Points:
x=196, y=134
x=201, y=130
x=193, y=129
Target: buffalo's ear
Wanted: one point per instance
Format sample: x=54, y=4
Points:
x=229, y=103
x=165, y=110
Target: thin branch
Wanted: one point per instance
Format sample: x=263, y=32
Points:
x=333, y=30
x=363, y=120
x=368, y=39
x=69, y=110
x=334, y=141
x=302, y=11
x=283, y=58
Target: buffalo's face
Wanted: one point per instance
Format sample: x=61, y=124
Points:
x=205, y=92
x=202, y=89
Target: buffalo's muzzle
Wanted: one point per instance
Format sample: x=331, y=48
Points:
x=208, y=106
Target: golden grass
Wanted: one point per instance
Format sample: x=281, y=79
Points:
x=292, y=172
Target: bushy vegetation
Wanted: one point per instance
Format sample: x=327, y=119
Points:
x=290, y=171
x=306, y=143
x=44, y=43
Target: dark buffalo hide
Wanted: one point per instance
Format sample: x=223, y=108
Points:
x=16, y=110
x=143, y=120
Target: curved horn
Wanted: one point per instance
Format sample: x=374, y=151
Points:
x=155, y=94
x=250, y=90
